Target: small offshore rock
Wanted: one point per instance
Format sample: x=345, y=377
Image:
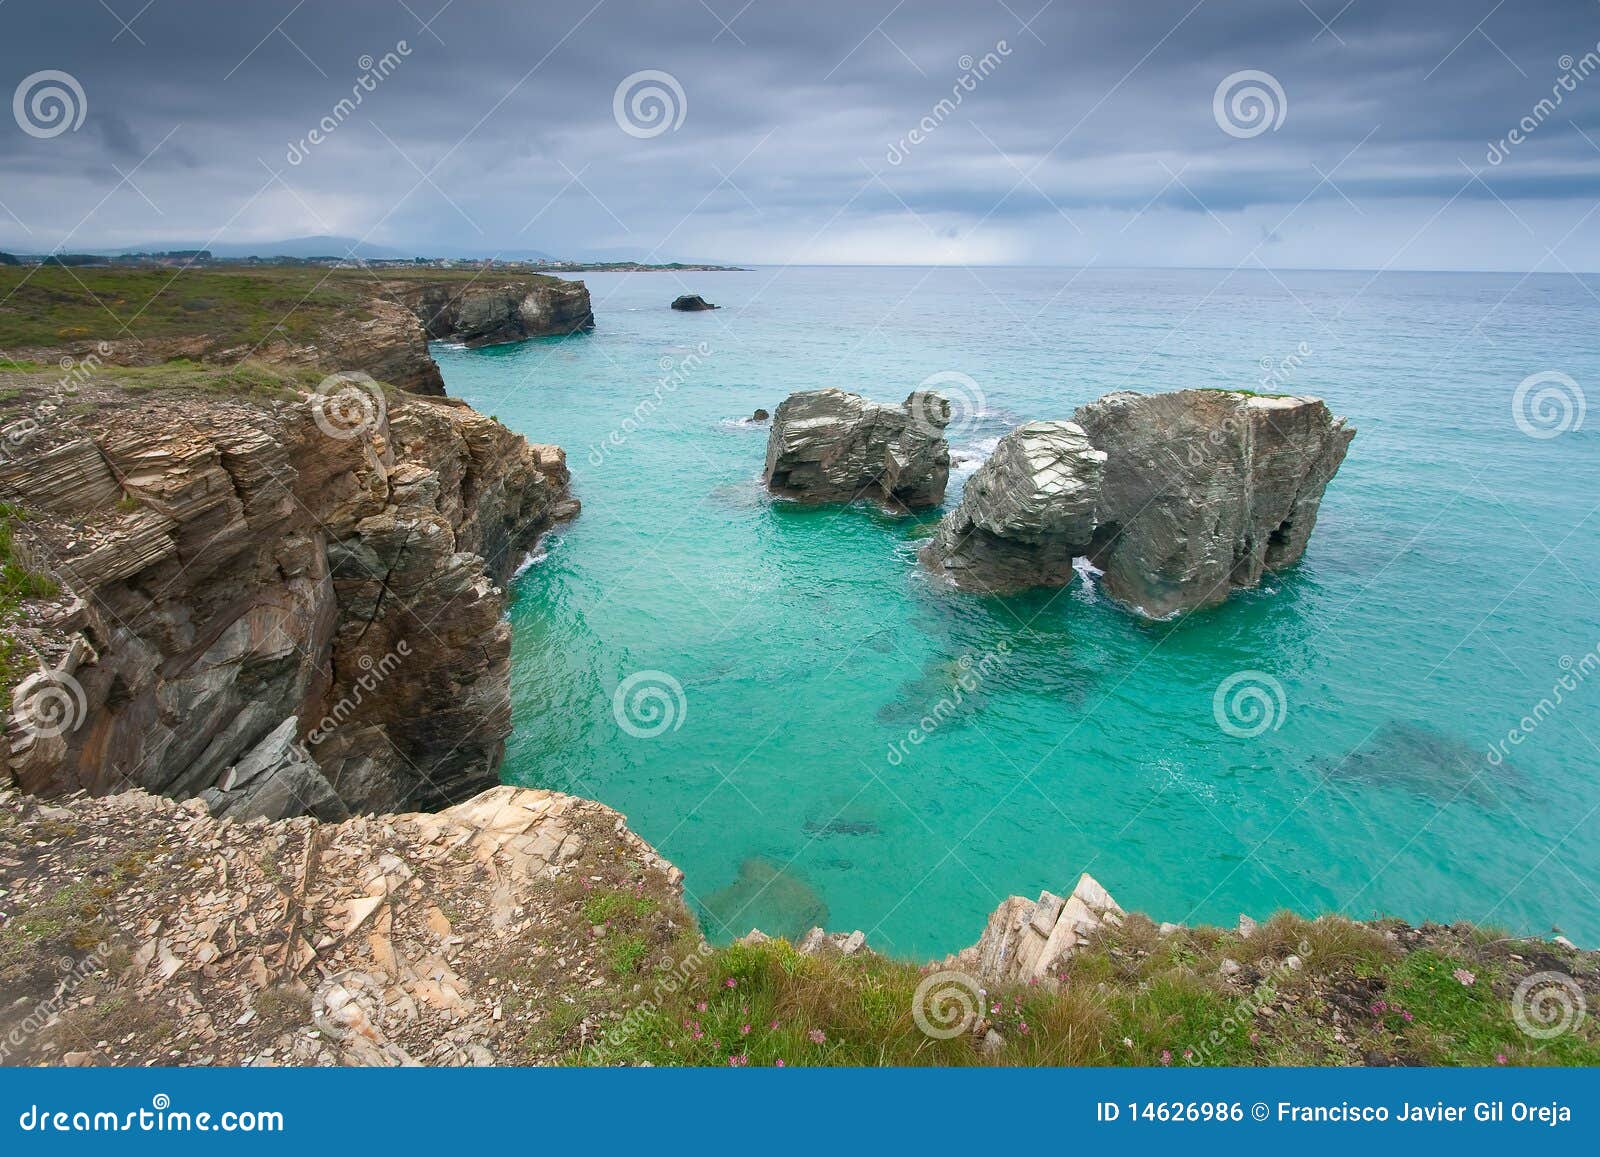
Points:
x=691, y=303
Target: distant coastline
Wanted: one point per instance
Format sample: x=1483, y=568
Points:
x=185, y=258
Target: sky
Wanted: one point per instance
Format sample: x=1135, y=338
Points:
x=1289, y=133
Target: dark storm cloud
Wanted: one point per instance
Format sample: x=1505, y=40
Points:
x=1091, y=136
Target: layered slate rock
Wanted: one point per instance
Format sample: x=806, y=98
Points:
x=262, y=610
x=830, y=446
x=1026, y=940
x=1026, y=513
x=484, y=313
x=1205, y=491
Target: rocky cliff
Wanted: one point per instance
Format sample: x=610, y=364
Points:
x=447, y=938
x=286, y=601
x=830, y=446
x=494, y=311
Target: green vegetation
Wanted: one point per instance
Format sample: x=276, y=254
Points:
x=604, y=907
x=18, y=584
x=1134, y=997
x=46, y=307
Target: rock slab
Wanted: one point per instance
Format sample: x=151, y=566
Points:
x=832, y=446
x=1025, y=514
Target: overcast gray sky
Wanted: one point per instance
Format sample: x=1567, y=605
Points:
x=1094, y=134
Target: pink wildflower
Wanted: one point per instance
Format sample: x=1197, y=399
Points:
x=738, y=1061
x=744, y=1030
x=816, y=1036
x=731, y=982
x=1166, y=1056
x=1500, y=1058
x=1464, y=976
x=779, y=1062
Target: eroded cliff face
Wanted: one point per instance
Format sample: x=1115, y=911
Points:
x=268, y=606
x=495, y=311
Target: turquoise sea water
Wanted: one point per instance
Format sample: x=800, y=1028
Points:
x=1453, y=573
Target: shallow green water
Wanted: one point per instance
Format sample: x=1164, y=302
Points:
x=1457, y=561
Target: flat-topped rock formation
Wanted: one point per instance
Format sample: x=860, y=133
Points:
x=830, y=446
x=1205, y=491
x=494, y=312
x=1025, y=514
x=1179, y=498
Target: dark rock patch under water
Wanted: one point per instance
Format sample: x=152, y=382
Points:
x=1414, y=757
x=776, y=900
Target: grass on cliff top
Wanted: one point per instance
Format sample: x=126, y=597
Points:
x=18, y=584
x=1134, y=997
x=231, y=305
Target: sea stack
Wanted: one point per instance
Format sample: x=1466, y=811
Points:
x=1205, y=491
x=830, y=446
x=691, y=303
x=1026, y=513
x=1179, y=498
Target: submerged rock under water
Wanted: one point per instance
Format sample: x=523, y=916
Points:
x=1417, y=758
x=765, y=896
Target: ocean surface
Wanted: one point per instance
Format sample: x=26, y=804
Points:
x=775, y=662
